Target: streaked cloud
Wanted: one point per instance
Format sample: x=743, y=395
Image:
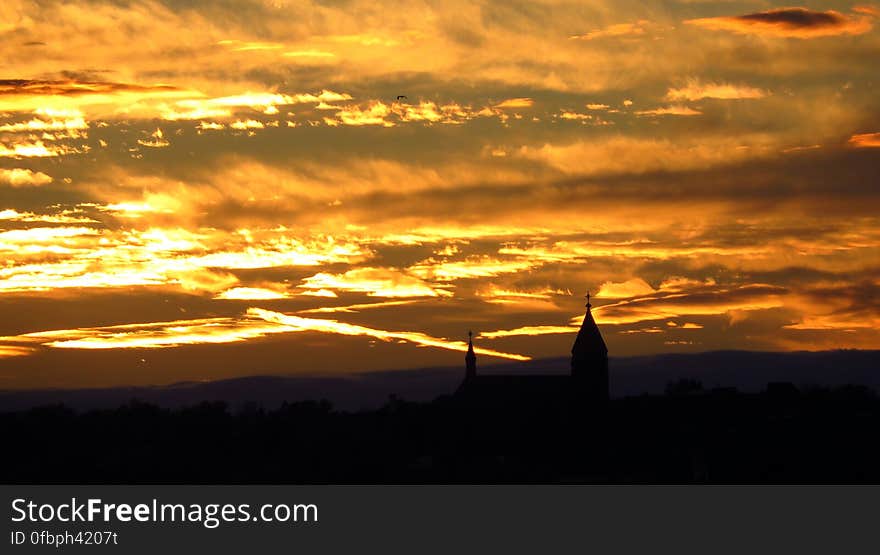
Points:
x=617, y=30
x=474, y=267
x=865, y=140
x=716, y=301
x=332, y=326
x=529, y=330
x=252, y=293
x=247, y=46
x=673, y=110
x=515, y=103
x=157, y=335
x=697, y=90
x=309, y=54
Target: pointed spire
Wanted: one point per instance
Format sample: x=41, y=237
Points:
x=470, y=359
x=589, y=340
x=589, y=357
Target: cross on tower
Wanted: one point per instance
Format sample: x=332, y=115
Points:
x=588, y=300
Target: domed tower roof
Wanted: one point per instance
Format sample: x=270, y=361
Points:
x=589, y=340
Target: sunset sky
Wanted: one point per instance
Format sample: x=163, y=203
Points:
x=198, y=189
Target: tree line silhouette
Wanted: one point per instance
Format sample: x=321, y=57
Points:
x=782, y=435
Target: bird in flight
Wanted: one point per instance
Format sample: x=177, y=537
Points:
x=401, y=97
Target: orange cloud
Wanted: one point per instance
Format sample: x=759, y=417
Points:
x=14, y=351
x=801, y=23
x=710, y=302
x=865, y=140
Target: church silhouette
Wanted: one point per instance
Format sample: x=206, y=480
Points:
x=587, y=383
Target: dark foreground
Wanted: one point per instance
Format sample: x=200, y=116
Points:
x=688, y=435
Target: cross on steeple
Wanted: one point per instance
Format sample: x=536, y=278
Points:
x=588, y=300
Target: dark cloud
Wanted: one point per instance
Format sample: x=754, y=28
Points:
x=790, y=22
x=794, y=18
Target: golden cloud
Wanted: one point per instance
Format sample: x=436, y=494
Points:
x=158, y=335
x=674, y=110
x=157, y=140
x=247, y=46
x=529, y=330
x=473, y=267
x=374, y=114
x=616, y=30
x=376, y=282
x=33, y=149
x=332, y=326
x=631, y=288
x=715, y=302
x=574, y=115
x=353, y=307
x=309, y=54
x=252, y=293
x=631, y=155
x=22, y=177
x=697, y=90
x=515, y=103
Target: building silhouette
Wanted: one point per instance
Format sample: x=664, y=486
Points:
x=587, y=383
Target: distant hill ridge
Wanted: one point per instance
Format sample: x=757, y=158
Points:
x=744, y=370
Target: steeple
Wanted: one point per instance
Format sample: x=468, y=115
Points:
x=470, y=359
x=589, y=356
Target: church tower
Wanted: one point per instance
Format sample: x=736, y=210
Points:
x=589, y=358
x=470, y=359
